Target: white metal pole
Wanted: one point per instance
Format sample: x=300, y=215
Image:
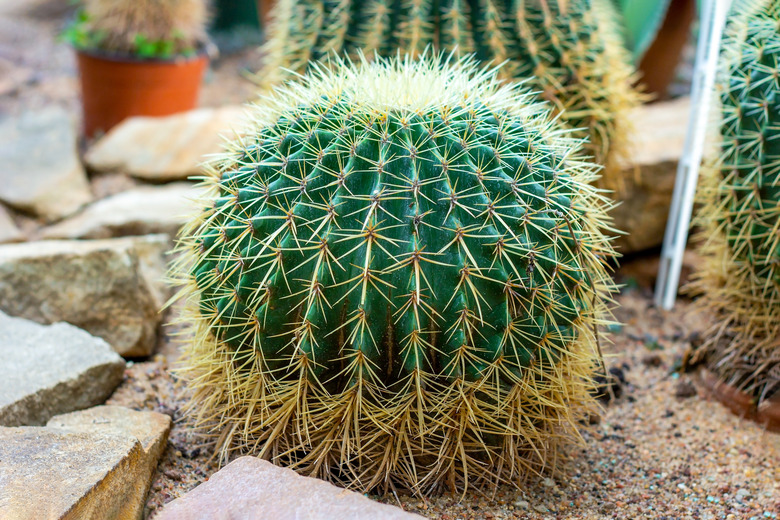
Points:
x=711, y=26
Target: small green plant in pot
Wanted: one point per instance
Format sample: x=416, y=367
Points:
x=396, y=280
x=138, y=57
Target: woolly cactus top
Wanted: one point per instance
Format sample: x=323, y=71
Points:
x=393, y=240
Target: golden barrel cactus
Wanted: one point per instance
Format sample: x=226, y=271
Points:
x=396, y=280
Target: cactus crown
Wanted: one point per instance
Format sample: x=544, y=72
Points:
x=740, y=196
x=397, y=279
x=569, y=50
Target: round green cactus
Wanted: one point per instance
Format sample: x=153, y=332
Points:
x=740, y=196
x=570, y=51
x=397, y=280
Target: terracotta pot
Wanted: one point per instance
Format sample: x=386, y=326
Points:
x=741, y=403
x=660, y=62
x=114, y=88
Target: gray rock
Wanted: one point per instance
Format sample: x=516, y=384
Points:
x=40, y=170
x=47, y=473
x=254, y=489
x=139, y=211
x=112, y=288
x=48, y=370
x=165, y=148
x=8, y=230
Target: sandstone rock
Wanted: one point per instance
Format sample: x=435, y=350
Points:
x=40, y=171
x=140, y=211
x=111, y=288
x=150, y=428
x=165, y=148
x=46, y=473
x=254, y=489
x=8, y=230
x=660, y=136
x=47, y=370
x=92, y=464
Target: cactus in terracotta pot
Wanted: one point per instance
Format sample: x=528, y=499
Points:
x=138, y=58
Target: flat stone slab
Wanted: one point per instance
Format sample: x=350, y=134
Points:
x=138, y=211
x=40, y=170
x=45, y=473
x=48, y=370
x=254, y=489
x=112, y=288
x=94, y=464
x=166, y=148
x=150, y=428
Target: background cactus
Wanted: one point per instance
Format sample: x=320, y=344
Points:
x=740, y=194
x=397, y=280
x=569, y=50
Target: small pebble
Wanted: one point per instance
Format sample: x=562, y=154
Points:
x=652, y=360
x=684, y=389
x=610, y=387
x=174, y=474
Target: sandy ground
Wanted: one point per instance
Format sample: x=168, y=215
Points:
x=661, y=450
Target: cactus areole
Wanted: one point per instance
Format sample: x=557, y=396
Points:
x=397, y=280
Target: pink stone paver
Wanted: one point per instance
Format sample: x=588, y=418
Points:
x=254, y=489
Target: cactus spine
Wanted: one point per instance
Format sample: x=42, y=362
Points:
x=569, y=50
x=740, y=196
x=397, y=280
